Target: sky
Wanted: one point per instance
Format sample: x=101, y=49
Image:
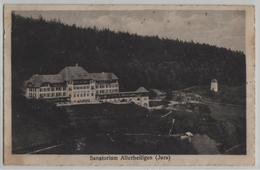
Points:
x=220, y=28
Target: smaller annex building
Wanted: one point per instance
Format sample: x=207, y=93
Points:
x=74, y=85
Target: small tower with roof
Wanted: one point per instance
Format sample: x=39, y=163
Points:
x=214, y=85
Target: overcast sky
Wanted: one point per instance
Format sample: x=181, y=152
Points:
x=220, y=28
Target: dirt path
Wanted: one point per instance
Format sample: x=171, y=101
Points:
x=168, y=113
x=227, y=104
x=44, y=149
x=204, y=144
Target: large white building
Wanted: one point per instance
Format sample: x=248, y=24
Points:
x=74, y=85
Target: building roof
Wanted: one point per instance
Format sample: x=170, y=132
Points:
x=141, y=90
x=37, y=80
x=103, y=76
x=69, y=73
x=73, y=73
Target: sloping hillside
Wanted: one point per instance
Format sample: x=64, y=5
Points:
x=45, y=47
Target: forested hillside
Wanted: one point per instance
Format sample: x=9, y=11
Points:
x=45, y=47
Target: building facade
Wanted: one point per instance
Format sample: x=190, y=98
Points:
x=74, y=85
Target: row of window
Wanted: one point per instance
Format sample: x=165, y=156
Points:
x=107, y=91
x=46, y=89
x=121, y=100
x=107, y=86
x=52, y=94
x=32, y=95
x=32, y=89
x=97, y=86
x=83, y=94
x=106, y=81
x=82, y=101
x=83, y=87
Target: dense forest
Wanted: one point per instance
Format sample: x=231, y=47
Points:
x=45, y=47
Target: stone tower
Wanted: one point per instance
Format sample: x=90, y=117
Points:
x=214, y=85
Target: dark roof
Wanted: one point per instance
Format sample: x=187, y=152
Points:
x=73, y=73
x=37, y=79
x=69, y=73
x=103, y=76
x=139, y=90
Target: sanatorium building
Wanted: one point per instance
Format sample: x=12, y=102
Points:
x=74, y=85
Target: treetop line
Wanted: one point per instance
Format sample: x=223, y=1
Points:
x=145, y=61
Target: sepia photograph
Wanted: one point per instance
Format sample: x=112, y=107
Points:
x=129, y=85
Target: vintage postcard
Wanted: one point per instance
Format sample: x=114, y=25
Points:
x=129, y=85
